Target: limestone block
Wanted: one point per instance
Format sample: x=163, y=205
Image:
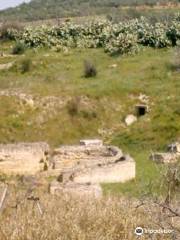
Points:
x=174, y=147
x=6, y=66
x=22, y=158
x=130, y=119
x=164, y=157
x=121, y=171
x=91, y=142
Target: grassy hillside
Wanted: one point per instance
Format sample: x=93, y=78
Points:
x=54, y=102
x=46, y=9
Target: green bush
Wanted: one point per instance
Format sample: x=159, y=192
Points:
x=9, y=30
x=19, y=48
x=122, y=44
x=26, y=65
x=87, y=114
x=89, y=69
x=115, y=38
x=73, y=107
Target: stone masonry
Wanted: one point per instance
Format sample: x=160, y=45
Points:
x=78, y=168
x=23, y=158
x=92, y=164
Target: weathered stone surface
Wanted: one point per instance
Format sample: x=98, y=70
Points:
x=91, y=142
x=164, y=157
x=76, y=189
x=81, y=163
x=23, y=158
x=144, y=98
x=130, y=119
x=6, y=66
x=120, y=171
x=174, y=147
x=78, y=157
x=95, y=164
x=172, y=154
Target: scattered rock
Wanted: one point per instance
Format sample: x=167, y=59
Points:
x=143, y=98
x=113, y=66
x=30, y=103
x=174, y=147
x=6, y=66
x=4, y=55
x=172, y=155
x=163, y=157
x=130, y=119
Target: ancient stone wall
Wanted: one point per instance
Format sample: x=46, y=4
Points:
x=93, y=164
x=79, y=168
x=78, y=164
x=77, y=157
x=172, y=155
x=22, y=158
x=120, y=171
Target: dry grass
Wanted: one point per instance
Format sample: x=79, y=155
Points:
x=66, y=218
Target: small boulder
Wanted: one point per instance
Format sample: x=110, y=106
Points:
x=130, y=119
x=163, y=157
x=144, y=98
x=6, y=66
x=113, y=66
x=30, y=103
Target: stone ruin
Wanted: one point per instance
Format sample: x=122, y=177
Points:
x=77, y=168
x=89, y=164
x=171, y=156
x=23, y=158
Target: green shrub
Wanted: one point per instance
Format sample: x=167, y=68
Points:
x=115, y=38
x=8, y=30
x=19, y=48
x=26, y=65
x=87, y=114
x=73, y=107
x=122, y=44
x=89, y=69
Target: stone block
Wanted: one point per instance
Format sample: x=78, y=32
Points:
x=23, y=158
x=164, y=157
x=121, y=171
x=91, y=142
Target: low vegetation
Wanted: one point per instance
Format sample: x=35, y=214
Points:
x=89, y=69
x=26, y=65
x=19, y=48
x=116, y=39
x=7, y=27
